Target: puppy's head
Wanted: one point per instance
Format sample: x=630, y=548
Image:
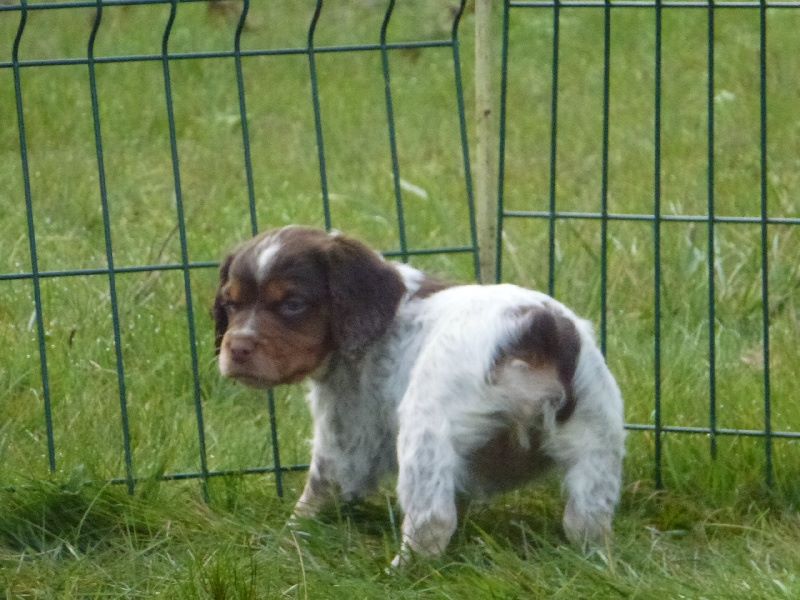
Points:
x=289, y=298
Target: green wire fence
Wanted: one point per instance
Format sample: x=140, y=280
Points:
x=553, y=217
x=25, y=9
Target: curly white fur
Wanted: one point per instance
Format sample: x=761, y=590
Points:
x=425, y=396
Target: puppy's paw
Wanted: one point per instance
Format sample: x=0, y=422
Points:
x=402, y=559
x=305, y=509
x=587, y=531
x=299, y=524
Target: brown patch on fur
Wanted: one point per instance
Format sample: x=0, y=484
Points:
x=365, y=292
x=503, y=463
x=429, y=287
x=549, y=338
x=276, y=290
x=218, y=312
x=235, y=292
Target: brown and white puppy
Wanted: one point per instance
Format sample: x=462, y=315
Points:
x=459, y=390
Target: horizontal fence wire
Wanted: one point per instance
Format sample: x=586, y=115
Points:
x=112, y=271
x=711, y=219
x=730, y=4
x=653, y=4
x=227, y=54
x=208, y=264
x=716, y=219
x=707, y=431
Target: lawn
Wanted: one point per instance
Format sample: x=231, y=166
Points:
x=715, y=530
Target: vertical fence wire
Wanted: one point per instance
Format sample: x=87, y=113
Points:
x=604, y=179
x=762, y=59
x=501, y=153
x=387, y=87
x=248, y=160
x=463, y=134
x=312, y=72
x=254, y=229
x=711, y=252
x=551, y=233
x=31, y=224
x=657, y=248
x=112, y=283
x=276, y=452
x=187, y=283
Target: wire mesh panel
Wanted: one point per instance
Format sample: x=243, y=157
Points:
x=661, y=197
x=648, y=177
x=143, y=139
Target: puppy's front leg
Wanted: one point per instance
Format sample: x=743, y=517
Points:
x=426, y=490
x=318, y=492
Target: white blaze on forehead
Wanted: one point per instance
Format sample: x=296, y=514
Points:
x=250, y=326
x=267, y=251
x=246, y=328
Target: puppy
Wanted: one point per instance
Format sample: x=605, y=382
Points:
x=458, y=389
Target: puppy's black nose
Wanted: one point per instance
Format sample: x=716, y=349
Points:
x=241, y=348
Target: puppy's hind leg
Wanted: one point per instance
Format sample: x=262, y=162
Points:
x=590, y=447
x=590, y=505
x=592, y=485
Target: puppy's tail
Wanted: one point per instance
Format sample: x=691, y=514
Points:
x=538, y=364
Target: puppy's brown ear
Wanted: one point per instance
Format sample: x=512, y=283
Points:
x=219, y=313
x=365, y=292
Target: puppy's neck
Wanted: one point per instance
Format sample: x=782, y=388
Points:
x=335, y=366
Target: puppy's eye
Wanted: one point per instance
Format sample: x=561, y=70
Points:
x=231, y=306
x=292, y=307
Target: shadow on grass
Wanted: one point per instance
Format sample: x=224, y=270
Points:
x=72, y=518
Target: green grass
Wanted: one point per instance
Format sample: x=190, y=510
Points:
x=715, y=531
x=77, y=541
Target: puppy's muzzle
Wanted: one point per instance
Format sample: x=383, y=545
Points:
x=241, y=348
